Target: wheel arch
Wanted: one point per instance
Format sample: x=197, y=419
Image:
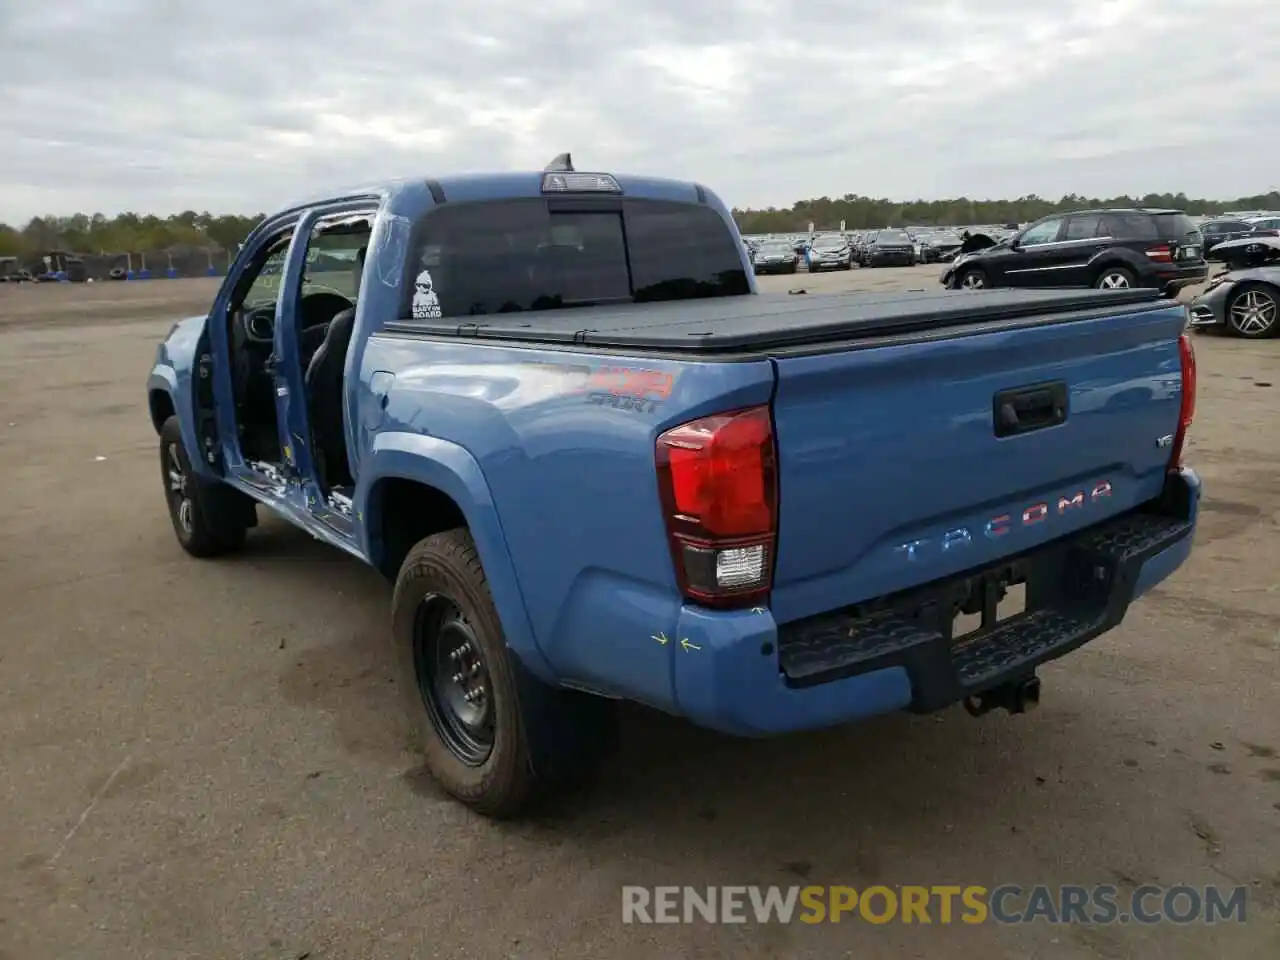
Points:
x=974, y=266
x=165, y=399
x=1112, y=258
x=413, y=486
x=1271, y=286
x=161, y=406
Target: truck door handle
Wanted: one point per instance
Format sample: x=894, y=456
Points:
x=1024, y=409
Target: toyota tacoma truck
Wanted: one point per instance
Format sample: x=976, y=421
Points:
x=597, y=464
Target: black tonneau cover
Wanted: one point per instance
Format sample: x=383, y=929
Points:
x=764, y=321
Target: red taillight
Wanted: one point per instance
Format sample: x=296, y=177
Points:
x=1162, y=253
x=718, y=480
x=1187, y=412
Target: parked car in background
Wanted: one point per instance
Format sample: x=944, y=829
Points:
x=1245, y=300
x=1108, y=249
x=1264, y=223
x=829, y=253
x=860, y=241
x=889, y=248
x=941, y=247
x=1249, y=252
x=1221, y=231
x=775, y=256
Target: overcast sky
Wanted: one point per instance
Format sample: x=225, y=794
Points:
x=242, y=105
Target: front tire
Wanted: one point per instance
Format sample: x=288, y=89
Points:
x=492, y=736
x=1115, y=278
x=972, y=278
x=209, y=518
x=1254, y=313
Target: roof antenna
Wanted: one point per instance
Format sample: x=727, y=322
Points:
x=561, y=164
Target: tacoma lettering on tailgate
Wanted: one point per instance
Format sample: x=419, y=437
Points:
x=1002, y=525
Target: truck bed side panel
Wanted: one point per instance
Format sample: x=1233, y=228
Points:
x=567, y=450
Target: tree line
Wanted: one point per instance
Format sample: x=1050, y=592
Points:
x=860, y=213
x=96, y=233
x=135, y=233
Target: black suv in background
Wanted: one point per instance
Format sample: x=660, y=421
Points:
x=1220, y=231
x=1109, y=249
x=891, y=248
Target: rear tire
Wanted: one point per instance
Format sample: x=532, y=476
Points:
x=1115, y=278
x=1254, y=312
x=492, y=736
x=209, y=518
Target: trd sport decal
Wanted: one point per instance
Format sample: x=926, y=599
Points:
x=626, y=389
x=622, y=388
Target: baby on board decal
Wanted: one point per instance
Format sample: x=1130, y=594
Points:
x=426, y=305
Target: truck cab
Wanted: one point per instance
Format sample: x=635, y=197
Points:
x=280, y=407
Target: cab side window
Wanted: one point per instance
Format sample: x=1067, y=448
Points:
x=1046, y=232
x=1130, y=226
x=335, y=258
x=1082, y=228
x=264, y=288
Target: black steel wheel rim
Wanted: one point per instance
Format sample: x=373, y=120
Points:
x=453, y=679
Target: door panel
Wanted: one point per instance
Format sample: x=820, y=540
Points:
x=1035, y=250
x=241, y=338
x=325, y=270
x=1080, y=243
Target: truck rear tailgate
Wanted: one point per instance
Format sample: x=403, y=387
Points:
x=914, y=458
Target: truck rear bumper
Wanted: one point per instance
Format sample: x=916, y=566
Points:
x=740, y=673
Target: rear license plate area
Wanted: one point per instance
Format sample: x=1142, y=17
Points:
x=1189, y=253
x=986, y=602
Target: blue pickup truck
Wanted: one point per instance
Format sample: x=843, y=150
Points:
x=553, y=409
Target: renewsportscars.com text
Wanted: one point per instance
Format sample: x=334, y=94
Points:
x=938, y=904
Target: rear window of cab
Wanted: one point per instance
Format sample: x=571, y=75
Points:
x=506, y=256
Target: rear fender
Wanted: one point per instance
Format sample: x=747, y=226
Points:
x=1135, y=263
x=452, y=470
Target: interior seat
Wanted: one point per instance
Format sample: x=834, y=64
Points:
x=309, y=341
x=324, y=378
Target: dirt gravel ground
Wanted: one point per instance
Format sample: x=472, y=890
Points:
x=207, y=759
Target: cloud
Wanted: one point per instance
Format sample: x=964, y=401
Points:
x=244, y=105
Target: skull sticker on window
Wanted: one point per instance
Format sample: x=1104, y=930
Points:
x=426, y=305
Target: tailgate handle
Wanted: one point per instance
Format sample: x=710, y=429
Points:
x=1024, y=409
